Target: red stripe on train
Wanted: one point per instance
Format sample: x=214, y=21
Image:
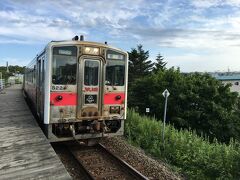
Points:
x=70, y=99
x=66, y=99
x=112, y=98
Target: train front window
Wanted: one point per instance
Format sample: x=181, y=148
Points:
x=91, y=71
x=115, y=73
x=64, y=65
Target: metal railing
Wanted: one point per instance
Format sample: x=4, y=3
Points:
x=2, y=84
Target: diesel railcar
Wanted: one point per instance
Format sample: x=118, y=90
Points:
x=78, y=89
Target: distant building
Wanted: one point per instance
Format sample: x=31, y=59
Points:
x=15, y=79
x=232, y=78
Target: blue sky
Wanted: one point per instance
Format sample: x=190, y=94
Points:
x=195, y=35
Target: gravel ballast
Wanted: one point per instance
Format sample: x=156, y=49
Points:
x=138, y=159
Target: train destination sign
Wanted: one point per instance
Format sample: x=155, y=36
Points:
x=65, y=52
x=115, y=56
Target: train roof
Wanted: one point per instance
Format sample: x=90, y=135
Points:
x=77, y=42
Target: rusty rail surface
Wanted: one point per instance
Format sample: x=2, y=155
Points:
x=100, y=163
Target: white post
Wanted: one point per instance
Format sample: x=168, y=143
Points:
x=164, y=118
x=165, y=94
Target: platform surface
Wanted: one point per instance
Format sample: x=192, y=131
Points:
x=25, y=153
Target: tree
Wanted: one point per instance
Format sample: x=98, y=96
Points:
x=139, y=65
x=159, y=64
x=12, y=69
x=197, y=101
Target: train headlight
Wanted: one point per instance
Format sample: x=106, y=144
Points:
x=91, y=50
x=118, y=97
x=59, y=98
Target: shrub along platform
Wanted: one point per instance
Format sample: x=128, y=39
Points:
x=190, y=154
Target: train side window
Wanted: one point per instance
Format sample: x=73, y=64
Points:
x=34, y=74
x=42, y=73
x=64, y=65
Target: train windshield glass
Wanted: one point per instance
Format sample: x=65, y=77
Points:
x=64, y=65
x=115, y=73
x=91, y=73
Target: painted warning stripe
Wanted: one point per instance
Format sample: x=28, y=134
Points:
x=70, y=99
x=110, y=98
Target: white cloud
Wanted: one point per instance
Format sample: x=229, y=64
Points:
x=218, y=60
x=170, y=24
x=233, y=2
x=13, y=61
x=214, y=3
x=205, y=3
x=25, y=28
x=67, y=19
x=116, y=18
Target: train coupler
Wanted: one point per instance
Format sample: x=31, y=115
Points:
x=72, y=129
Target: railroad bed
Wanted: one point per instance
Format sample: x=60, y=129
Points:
x=95, y=162
x=100, y=163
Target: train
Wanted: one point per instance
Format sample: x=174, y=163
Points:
x=78, y=89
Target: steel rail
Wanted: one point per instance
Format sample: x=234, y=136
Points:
x=87, y=173
x=124, y=164
x=128, y=169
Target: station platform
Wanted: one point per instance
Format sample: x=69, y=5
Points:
x=25, y=153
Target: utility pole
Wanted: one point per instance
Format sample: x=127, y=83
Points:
x=7, y=68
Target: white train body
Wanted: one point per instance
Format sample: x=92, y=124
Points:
x=80, y=85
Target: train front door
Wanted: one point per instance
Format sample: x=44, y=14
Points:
x=89, y=88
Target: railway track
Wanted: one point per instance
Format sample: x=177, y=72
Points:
x=99, y=163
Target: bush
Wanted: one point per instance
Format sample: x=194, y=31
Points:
x=192, y=155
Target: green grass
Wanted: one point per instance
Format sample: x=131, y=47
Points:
x=192, y=155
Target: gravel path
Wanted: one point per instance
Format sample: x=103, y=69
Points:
x=138, y=159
